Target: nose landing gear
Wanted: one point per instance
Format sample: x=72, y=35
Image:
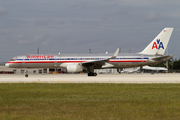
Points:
x=26, y=73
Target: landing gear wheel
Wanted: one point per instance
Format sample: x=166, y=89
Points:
x=95, y=74
x=89, y=74
x=26, y=75
x=92, y=74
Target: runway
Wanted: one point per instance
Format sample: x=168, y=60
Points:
x=83, y=78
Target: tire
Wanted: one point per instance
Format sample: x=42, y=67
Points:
x=26, y=75
x=92, y=74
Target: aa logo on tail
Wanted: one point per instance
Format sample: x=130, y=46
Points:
x=158, y=44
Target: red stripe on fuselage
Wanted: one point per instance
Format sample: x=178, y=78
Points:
x=45, y=61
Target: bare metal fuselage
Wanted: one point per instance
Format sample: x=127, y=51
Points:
x=57, y=61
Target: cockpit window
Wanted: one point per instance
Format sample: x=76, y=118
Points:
x=13, y=60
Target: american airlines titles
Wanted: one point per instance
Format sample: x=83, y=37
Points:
x=40, y=56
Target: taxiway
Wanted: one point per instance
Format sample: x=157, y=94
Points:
x=83, y=78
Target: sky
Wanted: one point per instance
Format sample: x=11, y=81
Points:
x=75, y=26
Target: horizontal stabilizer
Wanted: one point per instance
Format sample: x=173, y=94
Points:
x=164, y=58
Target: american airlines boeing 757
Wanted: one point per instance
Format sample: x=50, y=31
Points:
x=152, y=54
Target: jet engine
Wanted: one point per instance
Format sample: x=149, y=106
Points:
x=74, y=68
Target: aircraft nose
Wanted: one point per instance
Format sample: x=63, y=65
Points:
x=7, y=65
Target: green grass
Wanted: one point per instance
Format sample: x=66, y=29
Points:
x=90, y=101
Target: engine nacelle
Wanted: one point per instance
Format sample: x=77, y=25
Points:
x=74, y=68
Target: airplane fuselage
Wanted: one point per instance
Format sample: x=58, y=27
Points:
x=58, y=61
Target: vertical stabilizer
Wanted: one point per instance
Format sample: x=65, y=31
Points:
x=159, y=44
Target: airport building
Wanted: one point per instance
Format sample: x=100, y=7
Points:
x=6, y=70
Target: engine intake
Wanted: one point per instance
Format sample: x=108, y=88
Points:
x=74, y=68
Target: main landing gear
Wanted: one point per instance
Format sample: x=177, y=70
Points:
x=91, y=71
x=92, y=74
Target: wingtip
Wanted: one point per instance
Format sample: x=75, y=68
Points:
x=115, y=54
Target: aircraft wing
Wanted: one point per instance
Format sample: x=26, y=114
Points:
x=154, y=68
x=148, y=68
x=100, y=62
x=96, y=62
x=164, y=58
